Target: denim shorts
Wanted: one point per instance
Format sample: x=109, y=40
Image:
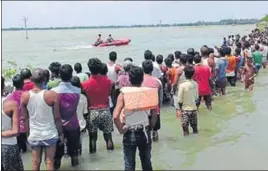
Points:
x=44, y=143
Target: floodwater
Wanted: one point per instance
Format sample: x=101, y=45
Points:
x=232, y=136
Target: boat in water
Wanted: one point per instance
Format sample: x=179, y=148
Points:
x=119, y=42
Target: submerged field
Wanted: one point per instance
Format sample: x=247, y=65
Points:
x=232, y=136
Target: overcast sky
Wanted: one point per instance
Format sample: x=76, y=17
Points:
x=90, y=13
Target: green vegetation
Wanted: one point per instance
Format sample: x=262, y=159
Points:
x=9, y=72
x=263, y=24
x=199, y=23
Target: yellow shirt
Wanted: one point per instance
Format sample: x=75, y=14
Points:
x=188, y=94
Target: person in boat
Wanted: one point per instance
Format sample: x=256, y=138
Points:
x=110, y=39
x=99, y=41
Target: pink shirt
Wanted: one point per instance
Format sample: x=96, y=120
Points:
x=152, y=82
x=123, y=80
x=16, y=96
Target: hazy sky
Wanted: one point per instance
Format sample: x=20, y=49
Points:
x=90, y=13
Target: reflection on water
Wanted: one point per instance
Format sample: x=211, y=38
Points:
x=232, y=136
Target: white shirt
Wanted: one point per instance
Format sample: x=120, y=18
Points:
x=81, y=110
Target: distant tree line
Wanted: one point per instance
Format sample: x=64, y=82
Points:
x=199, y=23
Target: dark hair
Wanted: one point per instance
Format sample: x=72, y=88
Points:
x=257, y=47
x=136, y=75
x=183, y=59
x=75, y=81
x=177, y=54
x=168, y=62
x=153, y=58
x=103, y=69
x=229, y=51
x=190, y=51
x=54, y=68
x=46, y=75
x=94, y=65
x=99, y=35
x=113, y=56
x=171, y=56
x=189, y=71
x=247, y=44
x=25, y=73
x=159, y=59
x=197, y=59
x=223, y=51
x=38, y=76
x=147, y=66
x=259, y=41
x=210, y=50
x=190, y=58
x=204, y=51
x=128, y=59
x=237, y=51
x=110, y=35
x=66, y=72
x=239, y=45
x=88, y=74
x=2, y=83
x=127, y=67
x=148, y=55
x=78, y=67
x=196, y=53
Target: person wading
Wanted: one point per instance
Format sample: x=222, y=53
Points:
x=10, y=154
x=98, y=89
x=68, y=96
x=131, y=119
x=16, y=96
x=43, y=126
x=152, y=82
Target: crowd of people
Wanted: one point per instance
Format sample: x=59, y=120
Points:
x=50, y=108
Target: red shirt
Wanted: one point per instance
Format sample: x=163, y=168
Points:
x=28, y=85
x=98, y=89
x=202, y=75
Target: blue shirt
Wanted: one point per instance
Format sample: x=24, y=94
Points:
x=221, y=65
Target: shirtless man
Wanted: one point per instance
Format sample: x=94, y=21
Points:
x=250, y=72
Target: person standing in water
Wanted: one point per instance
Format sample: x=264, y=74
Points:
x=16, y=96
x=82, y=110
x=179, y=78
x=202, y=76
x=257, y=58
x=78, y=69
x=42, y=120
x=187, y=97
x=98, y=89
x=250, y=72
x=10, y=153
x=152, y=82
x=68, y=96
x=135, y=125
x=113, y=71
x=221, y=65
x=231, y=67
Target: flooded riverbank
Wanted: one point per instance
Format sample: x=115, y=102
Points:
x=232, y=136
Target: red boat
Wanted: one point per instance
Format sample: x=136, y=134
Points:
x=120, y=42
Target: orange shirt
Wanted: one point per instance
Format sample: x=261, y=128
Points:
x=171, y=74
x=231, y=64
